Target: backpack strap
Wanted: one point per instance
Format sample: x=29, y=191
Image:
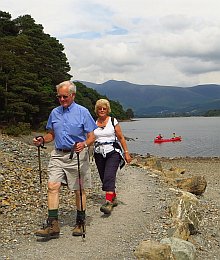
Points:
x=112, y=119
x=122, y=162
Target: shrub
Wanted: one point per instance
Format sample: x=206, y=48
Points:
x=18, y=129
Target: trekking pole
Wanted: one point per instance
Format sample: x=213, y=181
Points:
x=80, y=191
x=40, y=170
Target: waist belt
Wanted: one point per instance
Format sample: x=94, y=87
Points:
x=104, y=143
x=64, y=150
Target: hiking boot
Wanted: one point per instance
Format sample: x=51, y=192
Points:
x=107, y=207
x=78, y=229
x=51, y=230
x=114, y=202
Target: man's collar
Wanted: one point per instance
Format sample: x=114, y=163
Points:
x=69, y=107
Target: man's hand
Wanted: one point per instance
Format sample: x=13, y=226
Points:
x=38, y=141
x=79, y=147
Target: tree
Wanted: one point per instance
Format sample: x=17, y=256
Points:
x=31, y=64
x=7, y=27
x=130, y=113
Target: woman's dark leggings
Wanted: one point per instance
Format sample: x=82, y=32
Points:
x=107, y=168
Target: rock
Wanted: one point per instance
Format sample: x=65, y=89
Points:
x=170, y=174
x=195, y=184
x=1, y=178
x=185, y=209
x=177, y=170
x=153, y=250
x=149, y=162
x=181, y=249
x=153, y=163
x=180, y=230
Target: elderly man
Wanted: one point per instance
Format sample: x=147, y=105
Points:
x=71, y=127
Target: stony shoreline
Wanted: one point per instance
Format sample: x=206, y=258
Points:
x=21, y=208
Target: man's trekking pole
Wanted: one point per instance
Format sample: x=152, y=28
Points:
x=40, y=170
x=80, y=191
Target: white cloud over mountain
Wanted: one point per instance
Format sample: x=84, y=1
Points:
x=170, y=42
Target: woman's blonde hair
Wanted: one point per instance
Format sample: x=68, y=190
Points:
x=102, y=102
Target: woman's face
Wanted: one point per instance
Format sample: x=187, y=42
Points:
x=102, y=111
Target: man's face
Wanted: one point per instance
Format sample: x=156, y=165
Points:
x=64, y=97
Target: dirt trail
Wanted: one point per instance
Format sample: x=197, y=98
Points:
x=113, y=237
x=141, y=214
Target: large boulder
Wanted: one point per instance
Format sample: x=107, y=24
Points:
x=153, y=250
x=196, y=184
x=185, y=210
x=181, y=249
x=147, y=162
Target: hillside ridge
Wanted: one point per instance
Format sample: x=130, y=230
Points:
x=148, y=100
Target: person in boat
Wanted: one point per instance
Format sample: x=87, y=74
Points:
x=159, y=137
x=174, y=135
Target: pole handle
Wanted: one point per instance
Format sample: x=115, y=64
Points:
x=41, y=145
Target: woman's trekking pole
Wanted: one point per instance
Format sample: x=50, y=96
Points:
x=80, y=191
x=40, y=170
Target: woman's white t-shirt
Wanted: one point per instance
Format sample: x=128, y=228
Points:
x=105, y=136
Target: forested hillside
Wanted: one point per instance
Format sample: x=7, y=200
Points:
x=155, y=100
x=31, y=64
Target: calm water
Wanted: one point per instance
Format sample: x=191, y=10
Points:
x=200, y=136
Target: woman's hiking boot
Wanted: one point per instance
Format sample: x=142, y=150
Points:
x=114, y=202
x=80, y=228
x=51, y=230
x=107, y=207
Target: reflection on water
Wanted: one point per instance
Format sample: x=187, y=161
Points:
x=200, y=136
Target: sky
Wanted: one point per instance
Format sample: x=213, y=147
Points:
x=161, y=42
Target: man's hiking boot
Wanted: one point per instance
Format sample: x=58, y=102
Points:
x=79, y=229
x=107, y=207
x=114, y=202
x=51, y=230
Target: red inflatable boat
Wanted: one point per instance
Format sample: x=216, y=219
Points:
x=175, y=139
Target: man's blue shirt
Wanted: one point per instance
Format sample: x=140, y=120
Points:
x=70, y=125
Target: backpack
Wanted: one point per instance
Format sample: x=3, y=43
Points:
x=117, y=145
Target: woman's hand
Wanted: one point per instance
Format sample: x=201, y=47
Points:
x=127, y=157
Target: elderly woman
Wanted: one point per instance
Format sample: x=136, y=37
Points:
x=108, y=152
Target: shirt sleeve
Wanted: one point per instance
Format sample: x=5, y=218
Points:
x=115, y=121
x=49, y=122
x=89, y=122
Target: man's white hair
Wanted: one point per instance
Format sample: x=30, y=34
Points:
x=68, y=83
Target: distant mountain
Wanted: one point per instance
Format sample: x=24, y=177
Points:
x=148, y=100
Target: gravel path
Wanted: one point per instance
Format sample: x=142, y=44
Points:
x=142, y=212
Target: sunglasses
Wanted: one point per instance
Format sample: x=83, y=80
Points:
x=102, y=108
x=63, y=96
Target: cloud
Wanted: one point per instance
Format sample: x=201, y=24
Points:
x=170, y=42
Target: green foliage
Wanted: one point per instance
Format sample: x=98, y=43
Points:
x=18, y=129
x=215, y=112
x=32, y=63
x=130, y=113
x=87, y=97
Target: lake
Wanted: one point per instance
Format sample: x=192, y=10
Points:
x=200, y=136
